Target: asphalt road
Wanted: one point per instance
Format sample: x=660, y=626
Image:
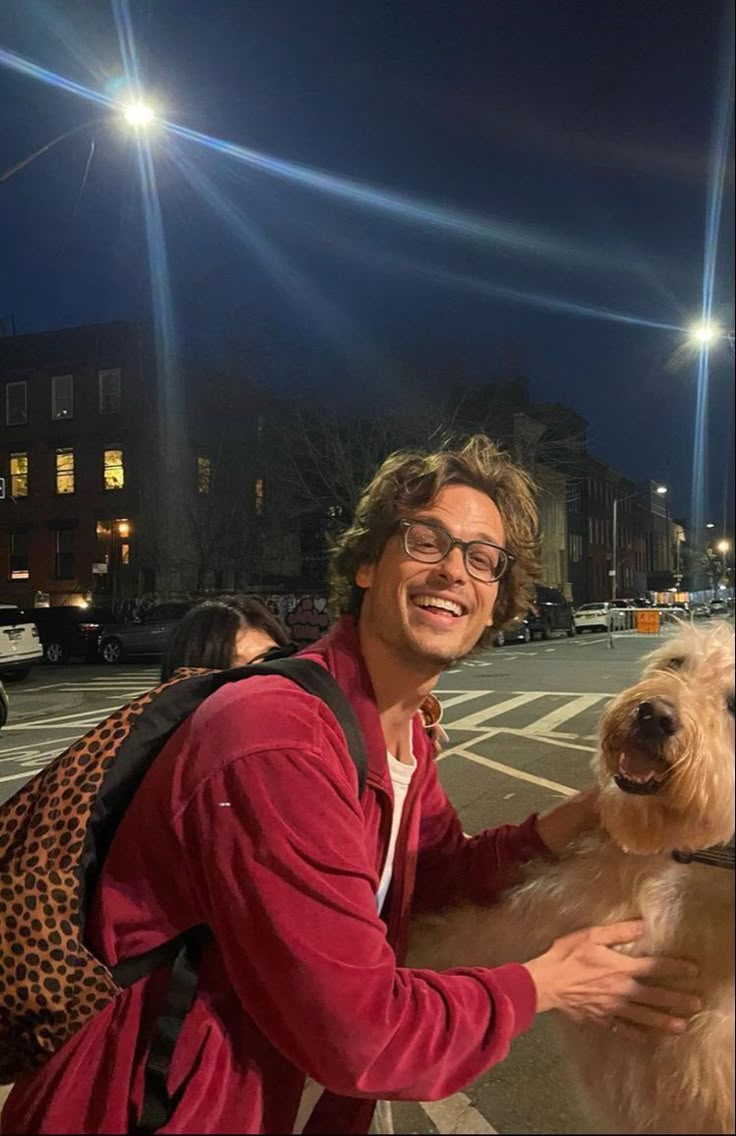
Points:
x=522, y=722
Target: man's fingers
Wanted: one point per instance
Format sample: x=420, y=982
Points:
x=649, y=1018
x=615, y=933
x=676, y=1001
x=660, y=967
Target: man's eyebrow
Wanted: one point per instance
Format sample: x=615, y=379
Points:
x=432, y=520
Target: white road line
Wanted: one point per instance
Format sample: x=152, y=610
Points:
x=22, y=775
x=463, y=696
x=482, y=716
x=78, y=718
x=456, y=1115
x=440, y=692
x=518, y=774
x=562, y=713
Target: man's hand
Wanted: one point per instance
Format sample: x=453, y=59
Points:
x=581, y=976
x=564, y=823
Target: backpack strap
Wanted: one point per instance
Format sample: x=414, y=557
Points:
x=158, y=1103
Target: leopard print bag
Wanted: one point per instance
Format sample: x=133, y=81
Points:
x=54, y=835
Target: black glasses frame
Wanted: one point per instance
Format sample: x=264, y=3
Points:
x=452, y=542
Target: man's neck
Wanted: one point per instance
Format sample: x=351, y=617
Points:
x=400, y=688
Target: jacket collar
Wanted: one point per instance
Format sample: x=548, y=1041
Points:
x=339, y=651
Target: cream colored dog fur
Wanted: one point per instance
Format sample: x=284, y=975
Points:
x=666, y=770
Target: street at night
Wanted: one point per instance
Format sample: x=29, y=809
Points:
x=388, y=328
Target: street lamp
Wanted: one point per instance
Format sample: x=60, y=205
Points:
x=138, y=114
x=661, y=491
x=704, y=333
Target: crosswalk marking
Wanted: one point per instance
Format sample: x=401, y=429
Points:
x=563, y=713
x=456, y=1115
x=517, y=774
x=482, y=716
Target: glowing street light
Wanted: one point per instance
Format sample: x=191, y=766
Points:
x=724, y=546
x=704, y=333
x=138, y=115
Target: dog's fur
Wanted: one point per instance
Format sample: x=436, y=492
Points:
x=655, y=1083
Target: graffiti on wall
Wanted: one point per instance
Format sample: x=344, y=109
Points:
x=304, y=616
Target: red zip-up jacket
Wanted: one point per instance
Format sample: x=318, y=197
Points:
x=249, y=820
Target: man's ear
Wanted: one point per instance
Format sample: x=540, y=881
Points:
x=364, y=575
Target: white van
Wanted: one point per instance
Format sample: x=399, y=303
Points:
x=20, y=643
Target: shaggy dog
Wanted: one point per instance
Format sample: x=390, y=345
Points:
x=666, y=771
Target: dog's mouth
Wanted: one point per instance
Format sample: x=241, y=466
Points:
x=641, y=771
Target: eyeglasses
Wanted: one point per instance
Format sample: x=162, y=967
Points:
x=431, y=544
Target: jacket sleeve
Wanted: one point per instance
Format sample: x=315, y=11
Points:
x=453, y=868
x=273, y=844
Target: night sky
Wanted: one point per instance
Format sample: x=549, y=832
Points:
x=574, y=134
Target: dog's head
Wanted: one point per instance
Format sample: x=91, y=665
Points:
x=666, y=760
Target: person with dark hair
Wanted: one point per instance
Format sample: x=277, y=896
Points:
x=251, y=821
x=225, y=632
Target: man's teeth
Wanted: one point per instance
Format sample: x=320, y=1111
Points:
x=438, y=601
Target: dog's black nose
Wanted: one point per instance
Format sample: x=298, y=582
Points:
x=658, y=718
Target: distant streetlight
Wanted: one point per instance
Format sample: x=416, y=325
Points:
x=709, y=525
x=138, y=114
x=704, y=333
x=724, y=546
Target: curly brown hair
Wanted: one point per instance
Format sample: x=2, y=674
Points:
x=410, y=479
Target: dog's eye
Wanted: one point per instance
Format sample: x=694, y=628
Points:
x=674, y=664
x=729, y=704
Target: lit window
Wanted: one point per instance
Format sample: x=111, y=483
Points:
x=19, y=475
x=62, y=396
x=19, y=566
x=110, y=390
x=64, y=554
x=16, y=404
x=114, y=469
x=65, y=471
x=258, y=495
x=204, y=475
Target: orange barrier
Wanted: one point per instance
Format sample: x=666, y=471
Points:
x=647, y=622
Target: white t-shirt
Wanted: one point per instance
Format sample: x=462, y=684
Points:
x=401, y=775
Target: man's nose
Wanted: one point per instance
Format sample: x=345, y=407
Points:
x=453, y=564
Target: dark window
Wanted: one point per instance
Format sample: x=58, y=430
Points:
x=62, y=396
x=110, y=390
x=64, y=554
x=16, y=404
x=19, y=565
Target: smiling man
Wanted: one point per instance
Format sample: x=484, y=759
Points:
x=250, y=821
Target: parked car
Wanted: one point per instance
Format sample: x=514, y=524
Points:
x=550, y=612
x=718, y=607
x=3, y=706
x=700, y=611
x=146, y=636
x=69, y=632
x=519, y=632
x=592, y=617
x=20, y=644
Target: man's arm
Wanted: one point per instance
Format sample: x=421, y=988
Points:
x=274, y=851
x=453, y=868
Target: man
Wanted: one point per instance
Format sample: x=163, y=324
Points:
x=250, y=821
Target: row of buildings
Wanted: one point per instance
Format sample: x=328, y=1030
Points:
x=120, y=483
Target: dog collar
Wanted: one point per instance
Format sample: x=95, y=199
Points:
x=718, y=856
